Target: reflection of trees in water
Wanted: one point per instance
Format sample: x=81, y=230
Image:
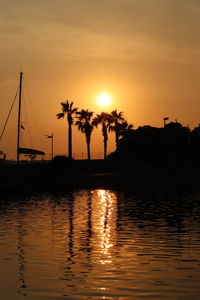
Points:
x=80, y=230
x=62, y=211
x=91, y=232
x=88, y=231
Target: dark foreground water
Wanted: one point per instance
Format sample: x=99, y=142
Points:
x=100, y=244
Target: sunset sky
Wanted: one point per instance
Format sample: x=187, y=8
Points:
x=144, y=53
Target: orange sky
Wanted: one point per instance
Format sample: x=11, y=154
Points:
x=144, y=53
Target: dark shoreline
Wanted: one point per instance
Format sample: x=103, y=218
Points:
x=92, y=174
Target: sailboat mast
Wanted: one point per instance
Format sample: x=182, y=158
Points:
x=19, y=116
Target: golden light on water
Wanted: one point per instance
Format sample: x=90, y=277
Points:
x=92, y=224
x=104, y=99
x=107, y=217
x=91, y=243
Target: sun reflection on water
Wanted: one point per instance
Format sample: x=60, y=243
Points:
x=106, y=223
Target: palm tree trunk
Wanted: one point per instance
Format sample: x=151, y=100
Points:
x=88, y=149
x=70, y=141
x=105, y=138
x=105, y=147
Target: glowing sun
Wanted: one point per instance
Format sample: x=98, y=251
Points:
x=104, y=99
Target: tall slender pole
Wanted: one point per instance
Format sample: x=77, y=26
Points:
x=19, y=116
x=52, y=146
x=51, y=137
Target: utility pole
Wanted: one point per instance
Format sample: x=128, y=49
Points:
x=51, y=137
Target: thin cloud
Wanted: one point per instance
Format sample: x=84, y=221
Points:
x=155, y=29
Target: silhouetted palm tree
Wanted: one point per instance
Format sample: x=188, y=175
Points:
x=115, y=124
x=125, y=128
x=69, y=111
x=103, y=119
x=85, y=125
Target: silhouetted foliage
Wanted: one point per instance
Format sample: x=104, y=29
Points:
x=115, y=124
x=69, y=111
x=171, y=145
x=61, y=158
x=103, y=119
x=84, y=123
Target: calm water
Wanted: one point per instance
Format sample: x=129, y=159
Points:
x=100, y=244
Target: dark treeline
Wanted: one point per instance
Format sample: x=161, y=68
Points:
x=146, y=156
x=171, y=146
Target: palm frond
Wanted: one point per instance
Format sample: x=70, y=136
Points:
x=111, y=128
x=70, y=105
x=96, y=121
x=67, y=105
x=60, y=115
x=74, y=110
x=117, y=116
x=64, y=107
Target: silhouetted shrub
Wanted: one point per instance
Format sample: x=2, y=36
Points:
x=61, y=158
x=61, y=161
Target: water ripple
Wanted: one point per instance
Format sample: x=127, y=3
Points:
x=100, y=244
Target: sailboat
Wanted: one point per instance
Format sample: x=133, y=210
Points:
x=32, y=153
x=28, y=151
